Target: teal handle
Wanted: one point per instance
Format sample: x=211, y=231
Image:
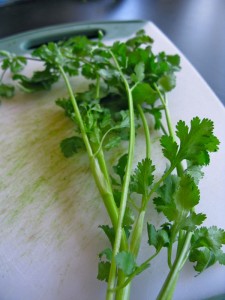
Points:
x=218, y=297
x=27, y=41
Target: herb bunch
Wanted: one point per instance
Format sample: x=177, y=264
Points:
x=127, y=87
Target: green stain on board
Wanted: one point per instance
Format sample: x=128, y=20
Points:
x=26, y=198
x=33, y=167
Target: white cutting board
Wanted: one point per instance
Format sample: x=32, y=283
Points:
x=50, y=210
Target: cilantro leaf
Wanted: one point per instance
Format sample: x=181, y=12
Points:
x=40, y=80
x=120, y=168
x=6, y=91
x=177, y=197
x=167, y=82
x=144, y=93
x=192, y=221
x=107, y=253
x=206, y=246
x=138, y=74
x=120, y=51
x=169, y=148
x=211, y=237
x=110, y=233
x=81, y=45
x=72, y=145
x=220, y=256
x=174, y=61
x=143, y=177
x=50, y=54
x=103, y=270
x=126, y=262
x=165, y=202
x=203, y=257
x=187, y=195
x=12, y=62
x=66, y=104
x=195, y=172
x=139, y=39
x=196, y=142
x=157, y=238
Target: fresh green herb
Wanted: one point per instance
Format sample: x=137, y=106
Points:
x=6, y=90
x=127, y=84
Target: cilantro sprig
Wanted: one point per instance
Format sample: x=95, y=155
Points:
x=127, y=87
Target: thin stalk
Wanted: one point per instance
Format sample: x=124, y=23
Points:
x=165, y=106
x=33, y=58
x=97, y=87
x=158, y=183
x=124, y=293
x=146, y=131
x=123, y=202
x=136, y=236
x=169, y=122
x=168, y=288
x=172, y=240
x=103, y=139
x=2, y=75
x=163, y=129
x=77, y=113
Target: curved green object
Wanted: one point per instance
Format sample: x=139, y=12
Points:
x=218, y=297
x=27, y=41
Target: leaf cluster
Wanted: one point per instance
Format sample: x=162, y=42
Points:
x=10, y=61
x=179, y=194
x=177, y=199
x=196, y=142
x=13, y=63
x=206, y=244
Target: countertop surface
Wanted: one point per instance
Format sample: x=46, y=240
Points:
x=195, y=27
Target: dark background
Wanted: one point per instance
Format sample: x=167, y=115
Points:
x=197, y=27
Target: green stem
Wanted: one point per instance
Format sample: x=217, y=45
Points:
x=97, y=87
x=77, y=113
x=168, y=288
x=146, y=130
x=103, y=139
x=2, y=76
x=174, y=231
x=169, y=123
x=158, y=183
x=163, y=129
x=124, y=293
x=125, y=187
x=181, y=237
x=136, y=236
x=165, y=106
